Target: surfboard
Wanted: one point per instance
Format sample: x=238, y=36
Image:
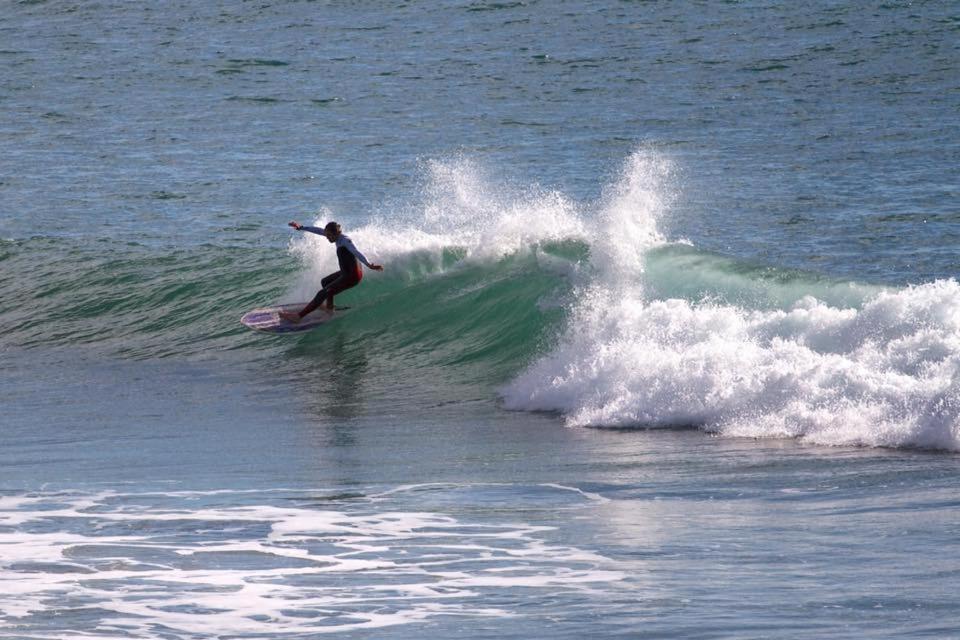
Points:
x=268, y=319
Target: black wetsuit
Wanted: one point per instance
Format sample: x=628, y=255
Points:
x=349, y=275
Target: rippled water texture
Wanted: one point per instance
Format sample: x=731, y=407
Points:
x=667, y=343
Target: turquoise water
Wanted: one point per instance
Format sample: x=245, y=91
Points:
x=666, y=344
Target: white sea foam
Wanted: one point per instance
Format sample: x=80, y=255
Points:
x=857, y=365
x=884, y=373
x=187, y=570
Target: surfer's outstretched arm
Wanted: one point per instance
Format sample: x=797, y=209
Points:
x=336, y=236
x=302, y=227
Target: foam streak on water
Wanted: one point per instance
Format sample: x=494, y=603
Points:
x=115, y=565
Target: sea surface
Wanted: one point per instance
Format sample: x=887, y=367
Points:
x=667, y=343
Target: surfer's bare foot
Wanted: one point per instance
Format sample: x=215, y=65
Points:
x=289, y=316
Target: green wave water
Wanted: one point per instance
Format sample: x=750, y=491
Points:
x=683, y=271
x=686, y=338
x=129, y=300
x=140, y=302
x=137, y=302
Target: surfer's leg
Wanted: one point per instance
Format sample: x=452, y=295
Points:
x=316, y=302
x=325, y=283
x=318, y=299
x=332, y=284
x=297, y=316
x=342, y=283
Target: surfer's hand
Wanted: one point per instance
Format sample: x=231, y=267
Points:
x=377, y=267
x=295, y=225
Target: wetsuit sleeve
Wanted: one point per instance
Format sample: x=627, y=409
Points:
x=316, y=230
x=348, y=243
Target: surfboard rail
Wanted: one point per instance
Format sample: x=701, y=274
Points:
x=267, y=319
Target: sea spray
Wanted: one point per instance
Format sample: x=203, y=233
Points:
x=461, y=215
x=585, y=309
x=627, y=220
x=878, y=371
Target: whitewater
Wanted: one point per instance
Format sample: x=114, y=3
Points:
x=666, y=344
x=585, y=309
x=656, y=333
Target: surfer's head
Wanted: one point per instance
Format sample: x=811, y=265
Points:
x=332, y=231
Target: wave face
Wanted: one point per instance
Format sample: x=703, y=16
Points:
x=584, y=309
x=477, y=276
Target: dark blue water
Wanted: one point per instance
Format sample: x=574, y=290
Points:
x=666, y=345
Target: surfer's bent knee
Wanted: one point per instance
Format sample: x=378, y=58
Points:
x=321, y=296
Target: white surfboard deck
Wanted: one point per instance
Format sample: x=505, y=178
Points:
x=268, y=319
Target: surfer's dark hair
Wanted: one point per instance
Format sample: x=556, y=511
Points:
x=334, y=227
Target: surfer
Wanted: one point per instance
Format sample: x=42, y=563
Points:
x=348, y=276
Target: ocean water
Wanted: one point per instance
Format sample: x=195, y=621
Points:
x=667, y=344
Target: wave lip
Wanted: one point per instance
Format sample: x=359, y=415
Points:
x=615, y=324
x=463, y=216
x=660, y=335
